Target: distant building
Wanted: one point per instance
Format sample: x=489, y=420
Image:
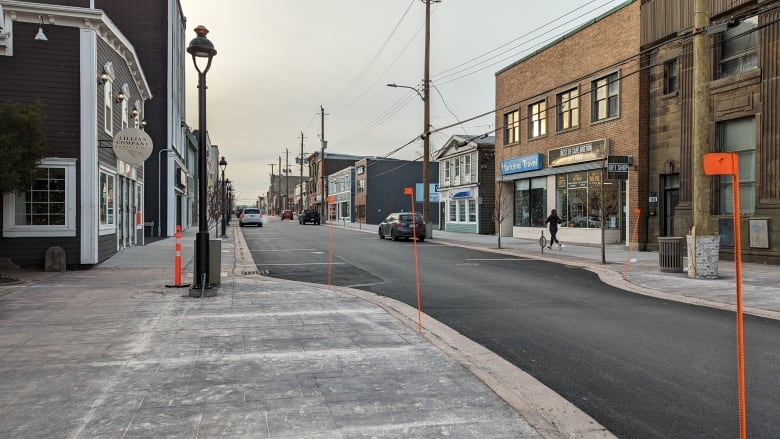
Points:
x=467, y=184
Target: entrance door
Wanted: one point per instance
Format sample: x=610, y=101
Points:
x=120, y=214
x=671, y=184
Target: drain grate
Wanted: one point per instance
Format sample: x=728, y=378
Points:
x=250, y=273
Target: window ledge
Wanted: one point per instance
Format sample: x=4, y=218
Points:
x=672, y=94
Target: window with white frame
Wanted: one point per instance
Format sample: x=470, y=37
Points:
x=738, y=49
x=739, y=136
x=106, y=199
x=47, y=207
x=605, y=98
x=568, y=109
x=537, y=119
x=446, y=171
x=125, y=99
x=453, y=214
x=472, y=206
x=467, y=167
x=512, y=127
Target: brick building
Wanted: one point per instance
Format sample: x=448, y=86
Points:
x=561, y=112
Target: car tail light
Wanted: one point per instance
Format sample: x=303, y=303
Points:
x=243, y=215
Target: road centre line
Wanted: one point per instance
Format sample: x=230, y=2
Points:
x=285, y=250
x=498, y=259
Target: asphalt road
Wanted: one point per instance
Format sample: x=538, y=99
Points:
x=642, y=367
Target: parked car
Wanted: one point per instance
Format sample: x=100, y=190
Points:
x=399, y=225
x=287, y=214
x=250, y=216
x=309, y=216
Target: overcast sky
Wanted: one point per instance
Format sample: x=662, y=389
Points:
x=279, y=60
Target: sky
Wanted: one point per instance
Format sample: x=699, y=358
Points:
x=279, y=61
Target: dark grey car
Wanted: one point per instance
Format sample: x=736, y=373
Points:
x=399, y=225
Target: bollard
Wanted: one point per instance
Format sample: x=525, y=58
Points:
x=177, y=259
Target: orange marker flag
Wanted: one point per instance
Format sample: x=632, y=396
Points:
x=408, y=191
x=720, y=163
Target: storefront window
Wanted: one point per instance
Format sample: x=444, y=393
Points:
x=530, y=202
x=579, y=199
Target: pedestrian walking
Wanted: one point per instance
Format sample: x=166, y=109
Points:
x=553, y=220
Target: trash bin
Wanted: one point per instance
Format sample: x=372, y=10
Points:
x=670, y=253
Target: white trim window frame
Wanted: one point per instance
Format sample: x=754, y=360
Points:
x=107, y=202
x=108, y=107
x=51, y=196
x=739, y=48
x=125, y=106
x=511, y=127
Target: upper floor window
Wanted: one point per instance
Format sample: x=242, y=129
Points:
x=512, y=127
x=739, y=136
x=108, y=99
x=605, y=98
x=361, y=186
x=537, y=119
x=738, y=49
x=670, y=76
x=568, y=113
x=125, y=113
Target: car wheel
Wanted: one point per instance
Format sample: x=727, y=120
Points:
x=381, y=235
x=240, y=224
x=260, y=225
x=392, y=235
x=421, y=239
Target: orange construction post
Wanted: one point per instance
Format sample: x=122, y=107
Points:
x=177, y=259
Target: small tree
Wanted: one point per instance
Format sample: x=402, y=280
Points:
x=503, y=209
x=22, y=146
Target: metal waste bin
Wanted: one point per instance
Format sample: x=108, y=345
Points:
x=670, y=253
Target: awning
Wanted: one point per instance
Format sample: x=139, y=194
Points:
x=462, y=194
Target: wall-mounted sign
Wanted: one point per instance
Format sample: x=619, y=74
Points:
x=433, y=192
x=582, y=152
x=617, y=167
x=525, y=163
x=132, y=145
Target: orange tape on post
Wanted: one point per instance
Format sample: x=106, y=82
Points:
x=409, y=191
x=177, y=259
x=331, y=220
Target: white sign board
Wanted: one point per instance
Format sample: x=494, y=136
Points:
x=132, y=145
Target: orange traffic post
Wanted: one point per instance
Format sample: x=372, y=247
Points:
x=330, y=201
x=177, y=259
x=409, y=191
x=631, y=243
x=727, y=163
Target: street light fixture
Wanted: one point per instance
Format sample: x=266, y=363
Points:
x=201, y=47
x=222, y=166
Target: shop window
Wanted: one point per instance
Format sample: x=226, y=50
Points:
x=530, y=202
x=472, y=206
x=738, y=136
x=106, y=199
x=48, y=206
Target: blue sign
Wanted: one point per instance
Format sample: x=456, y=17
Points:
x=526, y=163
x=433, y=192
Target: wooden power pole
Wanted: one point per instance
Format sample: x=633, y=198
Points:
x=701, y=117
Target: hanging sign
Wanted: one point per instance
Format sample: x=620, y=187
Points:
x=132, y=145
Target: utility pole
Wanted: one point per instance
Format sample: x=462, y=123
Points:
x=427, y=120
x=701, y=122
x=286, y=178
x=323, y=145
x=279, y=210
x=270, y=200
x=300, y=182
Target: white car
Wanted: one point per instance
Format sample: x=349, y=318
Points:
x=250, y=216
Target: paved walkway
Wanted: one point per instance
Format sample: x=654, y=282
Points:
x=116, y=351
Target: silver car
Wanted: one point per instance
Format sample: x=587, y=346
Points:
x=250, y=216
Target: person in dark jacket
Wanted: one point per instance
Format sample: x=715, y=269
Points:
x=553, y=220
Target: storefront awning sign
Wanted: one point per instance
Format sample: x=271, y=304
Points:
x=582, y=152
x=132, y=145
x=530, y=162
x=462, y=194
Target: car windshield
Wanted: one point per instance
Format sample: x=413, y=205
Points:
x=408, y=217
x=252, y=211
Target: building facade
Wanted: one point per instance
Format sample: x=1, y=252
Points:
x=341, y=188
x=743, y=36
x=379, y=188
x=88, y=78
x=467, y=184
x=562, y=113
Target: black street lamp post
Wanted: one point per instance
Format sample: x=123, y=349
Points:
x=201, y=47
x=222, y=166
x=228, y=200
